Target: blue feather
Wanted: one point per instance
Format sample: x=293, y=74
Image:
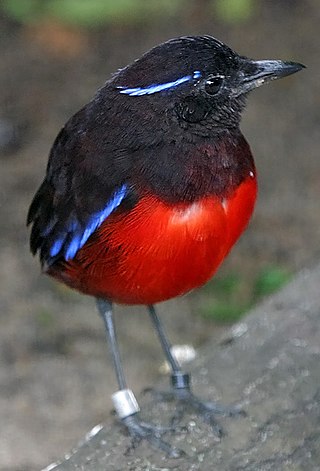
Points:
x=155, y=88
x=56, y=247
x=79, y=234
x=73, y=247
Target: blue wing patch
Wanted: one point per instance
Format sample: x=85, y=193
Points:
x=76, y=235
x=155, y=88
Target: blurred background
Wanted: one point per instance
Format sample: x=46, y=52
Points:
x=55, y=377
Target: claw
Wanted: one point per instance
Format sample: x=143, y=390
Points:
x=186, y=400
x=140, y=430
x=212, y=407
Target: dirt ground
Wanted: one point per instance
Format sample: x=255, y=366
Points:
x=55, y=378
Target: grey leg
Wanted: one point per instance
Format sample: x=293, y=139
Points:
x=182, y=389
x=124, y=400
x=179, y=379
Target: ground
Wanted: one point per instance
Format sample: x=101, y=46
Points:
x=55, y=378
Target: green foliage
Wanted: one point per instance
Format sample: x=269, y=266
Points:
x=269, y=280
x=22, y=10
x=229, y=297
x=222, y=300
x=227, y=286
x=233, y=11
x=223, y=312
x=95, y=13
x=90, y=13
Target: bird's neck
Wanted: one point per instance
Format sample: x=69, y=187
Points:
x=189, y=171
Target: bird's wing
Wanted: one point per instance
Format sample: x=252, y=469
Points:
x=86, y=181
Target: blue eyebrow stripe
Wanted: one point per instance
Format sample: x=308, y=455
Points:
x=75, y=235
x=155, y=88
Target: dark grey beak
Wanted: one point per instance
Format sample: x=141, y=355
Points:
x=253, y=74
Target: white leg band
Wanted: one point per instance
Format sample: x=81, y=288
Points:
x=125, y=403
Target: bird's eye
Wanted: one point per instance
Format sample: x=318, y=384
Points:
x=213, y=85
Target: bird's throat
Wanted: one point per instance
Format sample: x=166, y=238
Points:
x=191, y=171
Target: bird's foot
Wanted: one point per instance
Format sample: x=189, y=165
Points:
x=207, y=410
x=140, y=430
x=187, y=401
x=127, y=410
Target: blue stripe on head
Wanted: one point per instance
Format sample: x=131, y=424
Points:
x=76, y=235
x=155, y=88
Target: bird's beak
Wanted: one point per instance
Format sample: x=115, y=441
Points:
x=253, y=74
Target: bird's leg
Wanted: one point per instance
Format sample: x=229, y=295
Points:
x=181, y=386
x=124, y=401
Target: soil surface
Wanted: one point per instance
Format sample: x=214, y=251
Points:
x=55, y=377
x=272, y=359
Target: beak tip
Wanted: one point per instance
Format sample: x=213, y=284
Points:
x=265, y=71
x=293, y=67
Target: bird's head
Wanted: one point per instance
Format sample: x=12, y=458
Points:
x=196, y=81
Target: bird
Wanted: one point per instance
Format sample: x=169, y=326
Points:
x=147, y=189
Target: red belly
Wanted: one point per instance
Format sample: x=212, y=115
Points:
x=158, y=251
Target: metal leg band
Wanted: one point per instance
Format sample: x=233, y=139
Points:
x=180, y=380
x=125, y=403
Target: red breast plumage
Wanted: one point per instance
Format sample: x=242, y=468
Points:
x=158, y=251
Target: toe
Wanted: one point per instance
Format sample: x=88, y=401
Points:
x=140, y=430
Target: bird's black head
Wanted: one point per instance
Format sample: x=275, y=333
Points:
x=197, y=81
